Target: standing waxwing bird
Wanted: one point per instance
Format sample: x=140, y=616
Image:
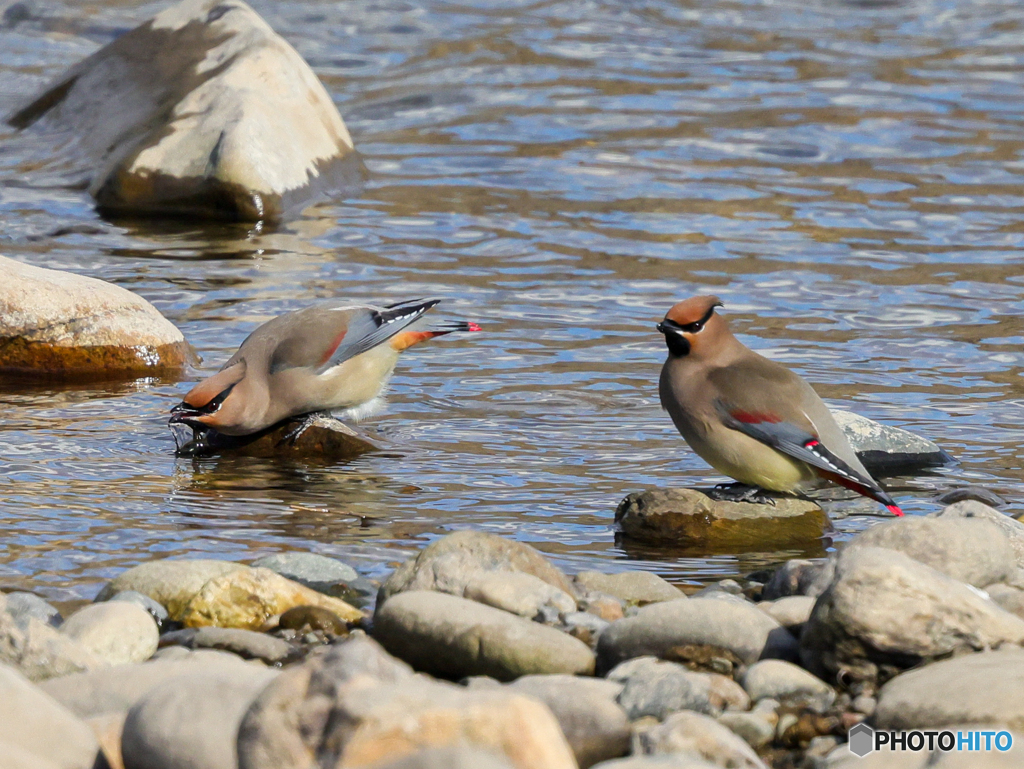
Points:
x=331, y=357
x=748, y=417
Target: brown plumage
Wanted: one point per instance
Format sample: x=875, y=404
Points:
x=749, y=417
x=330, y=357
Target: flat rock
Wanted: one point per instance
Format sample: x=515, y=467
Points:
x=972, y=510
x=454, y=638
x=30, y=719
x=321, y=714
x=701, y=737
x=59, y=325
x=38, y=650
x=681, y=631
x=21, y=606
x=324, y=437
x=191, y=720
x=889, y=450
x=317, y=572
x=792, y=612
x=691, y=517
x=654, y=687
x=201, y=111
x=449, y=564
x=519, y=593
x=787, y=683
x=989, y=690
x=593, y=723
x=884, y=612
x=116, y=631
x=636, y=587
x=972, y=550
x=247, y=644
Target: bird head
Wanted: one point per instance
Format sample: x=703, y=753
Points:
x=210, y=403
x=691, y=326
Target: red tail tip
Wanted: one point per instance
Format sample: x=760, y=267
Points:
x=894, y=510
x=473, y=327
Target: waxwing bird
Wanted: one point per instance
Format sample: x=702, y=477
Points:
x=331, y=357
x=748, y=417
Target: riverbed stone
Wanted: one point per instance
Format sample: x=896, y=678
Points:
x=699, y=736
x=842, y=758
x=970, y=492
x=201, y=111
x=654, y=687
x=787, y=683
x=1009, y=598
x=454, y=638
x=156, y=610
x=457, y=757
x=247, y=644
x=15, y=757
x=191, y=720
x=318, y=572
x=972, y=550
x=21, y=606
x=519, y=593
x=305, y=619
x=59, y=325
x=30, y=720
x=594, y=724
x=636, y=587
x=799, y=577
x=449, y=564
x=757, y=729
x=685, y=630
x=973, y=510
x=170, y=582
x=888, y=450
x=885, y=612
x=107, y=729
x=691, y=517
x=325, y=713
x=792, y=612
x=115, y=631
x=671, y=761
x=40, y=651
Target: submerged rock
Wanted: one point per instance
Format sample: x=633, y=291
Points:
x=887, y=450
x=59, y=325
x=201, y=111
x=691, y=517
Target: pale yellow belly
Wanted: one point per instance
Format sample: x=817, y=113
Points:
x=749, y=461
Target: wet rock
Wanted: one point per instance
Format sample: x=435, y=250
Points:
x=201, y=111
x=307, y=618
x=117, y=688
x=593, y=723
x=449, y=564
x=989, y=689
x=317, y=572
x=38, y=650
x=1012, y=528
x=792, y=612
x=58, y=325
x=117, y=632
x=191, y=720
x=448, y=758
x=886, y=450
x=453, y=637
x=691, y=517
x=638, y=587
x=799, y=577
x=971, y=550
x=322, y=713
x=171, y=583
x=975, y=493
x=155, y=609
x=787, y=683
x=21, y=606
x=653, y=687
x=245, y=643
x=683, y=630
x=884, y=612
x=701, y=737
x=324, y=437
x=30, y=719
x=519, y=593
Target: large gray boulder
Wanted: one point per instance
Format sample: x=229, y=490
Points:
x=202, y=110
x=884, y=612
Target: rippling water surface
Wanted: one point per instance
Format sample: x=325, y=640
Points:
x=846, y=176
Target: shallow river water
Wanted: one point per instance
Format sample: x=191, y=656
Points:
x=847, y=177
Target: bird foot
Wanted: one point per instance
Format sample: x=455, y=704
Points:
x=741, y=492
x=302, y=423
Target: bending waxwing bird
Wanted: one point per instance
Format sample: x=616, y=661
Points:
x=330, y=357
x=748, y=417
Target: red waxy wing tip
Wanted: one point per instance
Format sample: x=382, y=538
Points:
x=894, y=510
x=473, y=327
x=754, y=417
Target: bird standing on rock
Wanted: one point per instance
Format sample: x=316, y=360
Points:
x=332, y=357
x=748, y=417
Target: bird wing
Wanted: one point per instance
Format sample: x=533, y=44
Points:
x=767, y=403
x=327, y=335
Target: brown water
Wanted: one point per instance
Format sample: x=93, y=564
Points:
x=847, y=177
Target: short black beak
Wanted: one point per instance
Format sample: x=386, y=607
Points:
x=667, y=326
x=183, y=414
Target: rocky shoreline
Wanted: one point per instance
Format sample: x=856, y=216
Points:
x=481, y=653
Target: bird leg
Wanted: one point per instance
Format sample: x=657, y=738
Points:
x=302, y=423
x=741, y=492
